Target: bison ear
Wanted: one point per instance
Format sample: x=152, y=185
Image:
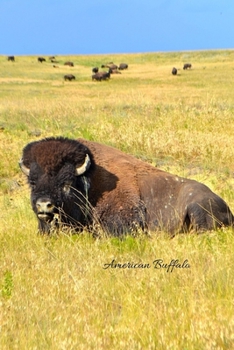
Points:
x=24, y=169
x=84, y=167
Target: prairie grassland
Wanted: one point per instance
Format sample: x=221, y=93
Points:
x=58, y=292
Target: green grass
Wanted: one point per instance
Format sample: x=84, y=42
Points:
x=54, y=291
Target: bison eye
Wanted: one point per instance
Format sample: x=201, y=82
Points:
x=66, y=187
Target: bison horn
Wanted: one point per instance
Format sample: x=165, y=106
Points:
x=84, y=167
x=24, y=169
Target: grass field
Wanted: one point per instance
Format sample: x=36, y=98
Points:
x=63, y=292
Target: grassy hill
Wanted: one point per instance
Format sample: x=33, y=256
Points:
x=55, y=292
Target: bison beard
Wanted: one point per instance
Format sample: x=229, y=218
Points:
x=80, y=183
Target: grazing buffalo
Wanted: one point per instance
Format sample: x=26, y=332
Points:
x=81, y=183
x=11, y=58
x=174, y=71
x=69, y=77
x=41, y=59
x=109, y=65
x=114, y=71
x=99, y=76
x=123, y=66
x=187, y=66
x=68, y=63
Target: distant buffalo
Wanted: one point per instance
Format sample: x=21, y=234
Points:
x=68, y=63
x=123, y=66
x=187, y=66
x=84, y=184
x=11, y=58
x=174, y=71
x=95, y=69
x=69, y=77
x=41, y=59
x=114, y=71
x=99, y=76
x=110, y=65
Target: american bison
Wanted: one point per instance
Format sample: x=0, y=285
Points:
x=99, y=76
x=174, y=71
x=41, y=59
x=123, y=66
x=82, y=183
x=109, y=65
x=11, y=58
x=69, y=77
x=114, y=71
x=187, y=66
x=68, y=63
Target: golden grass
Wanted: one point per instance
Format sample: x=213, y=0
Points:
x=54, y=291
x=62, y=297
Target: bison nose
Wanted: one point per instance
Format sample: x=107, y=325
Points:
x=44, y=205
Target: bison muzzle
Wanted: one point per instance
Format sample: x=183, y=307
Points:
x=79, y=183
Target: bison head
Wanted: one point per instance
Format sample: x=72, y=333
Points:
x=57, y=171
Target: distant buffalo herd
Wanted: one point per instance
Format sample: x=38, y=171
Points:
x=97, y=74
x=112, y=69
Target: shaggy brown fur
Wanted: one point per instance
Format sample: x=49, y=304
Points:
x=123, y=192
x=172, y=203
x=52, y=154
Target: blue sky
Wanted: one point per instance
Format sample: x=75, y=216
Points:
x=31, y=27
